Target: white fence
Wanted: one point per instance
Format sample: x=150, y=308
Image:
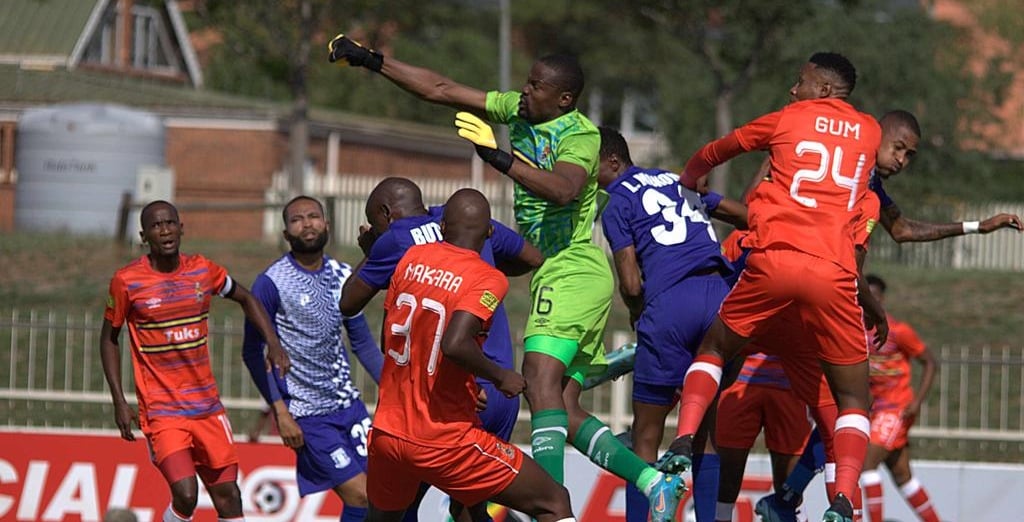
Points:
x=53, y=377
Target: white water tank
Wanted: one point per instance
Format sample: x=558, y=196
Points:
x=74, y=162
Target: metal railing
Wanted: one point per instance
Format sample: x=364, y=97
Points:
x=51, y=376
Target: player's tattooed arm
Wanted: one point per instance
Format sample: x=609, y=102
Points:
x=903, y=229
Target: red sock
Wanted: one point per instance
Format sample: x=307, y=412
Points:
x=872, y=483
x=917, y=497
x=851, y=442
x=699, y=389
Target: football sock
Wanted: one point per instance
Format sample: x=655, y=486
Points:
x=550, y=429
x=353, y=514
x=595, y=440
x=706, y=468
x=830, y=480
x=638, y=509
x=917, y=497
x=699, y=389
x=172, y=516
x=872, y=483
x=723, y=511
x=851, y=443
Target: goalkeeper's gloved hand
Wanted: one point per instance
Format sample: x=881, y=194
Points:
x=479, y=133
x=347, y=50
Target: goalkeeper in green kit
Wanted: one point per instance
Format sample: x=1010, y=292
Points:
x=553, y=162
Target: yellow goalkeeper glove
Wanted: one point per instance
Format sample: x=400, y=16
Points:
x=347, y=50
x=479, y=133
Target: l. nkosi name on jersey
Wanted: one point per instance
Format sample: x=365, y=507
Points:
x=645, y=179
x=439, y=277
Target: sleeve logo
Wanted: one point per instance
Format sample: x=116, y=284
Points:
x=489, y=300
x=110, y=301
x=871, y=226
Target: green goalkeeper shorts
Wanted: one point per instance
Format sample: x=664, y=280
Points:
x=572, y=295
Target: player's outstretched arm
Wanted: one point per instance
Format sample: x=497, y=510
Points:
x=423, y=83
x=255, y=313
x=459, y=346
x=630, y=281
x=903, y=229
x=110, y=356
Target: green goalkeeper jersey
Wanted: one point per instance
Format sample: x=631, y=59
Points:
x=571, y=138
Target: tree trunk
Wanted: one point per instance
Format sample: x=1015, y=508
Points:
x=723, y=125
x=298, y=132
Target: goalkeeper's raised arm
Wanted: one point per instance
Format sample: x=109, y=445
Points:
x=421, y=82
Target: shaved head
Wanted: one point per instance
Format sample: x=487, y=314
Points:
x=897, y=119
x=467, y=219
x=393, y=198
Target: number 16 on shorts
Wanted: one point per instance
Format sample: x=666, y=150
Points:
x=543, y=304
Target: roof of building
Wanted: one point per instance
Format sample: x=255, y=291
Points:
x=30, y=28
x=26, y=87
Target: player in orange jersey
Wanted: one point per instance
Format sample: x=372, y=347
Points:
x=893, y=412
x=164, y=297
x=440, y=302
x=822, y=151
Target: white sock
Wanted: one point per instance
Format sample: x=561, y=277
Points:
x=171, y=516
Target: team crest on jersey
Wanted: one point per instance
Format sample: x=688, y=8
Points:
x=505, y=450
x=199, y=292
x=153, y=302
x=340, y=458
x=489, y=300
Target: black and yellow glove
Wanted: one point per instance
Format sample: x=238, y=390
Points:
x=479, y=133
x=349, y=51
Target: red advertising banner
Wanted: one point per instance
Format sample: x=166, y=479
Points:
x=63, y=476
x=73, y=477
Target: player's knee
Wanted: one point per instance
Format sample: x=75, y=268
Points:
x=227, y=499
x=555, y=502
x=185, y=500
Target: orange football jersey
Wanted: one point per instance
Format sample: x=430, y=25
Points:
x=890, y=366
x=167, y=315
x=822, y=152
x=425, y=398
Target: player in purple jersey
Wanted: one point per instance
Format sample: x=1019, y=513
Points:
x=398, y=220
x=671, y=276
x=316, y=407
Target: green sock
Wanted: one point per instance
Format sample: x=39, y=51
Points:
x=550, y=428
x=596, y=441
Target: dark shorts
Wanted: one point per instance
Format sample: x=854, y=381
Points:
x=672, y=326
x=334, y=450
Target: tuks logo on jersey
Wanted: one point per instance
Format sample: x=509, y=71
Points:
x=489, y=300
x=178, y=335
